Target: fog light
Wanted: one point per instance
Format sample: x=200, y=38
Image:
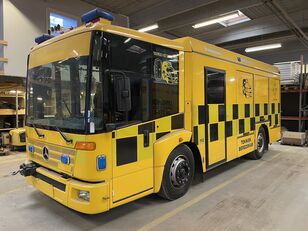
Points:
x=101, y=162
x=31, y=148
x=84, y=195
x=65, y=159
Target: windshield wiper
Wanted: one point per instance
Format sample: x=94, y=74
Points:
x=68, y=140
x=40, y=135
x=65, y=104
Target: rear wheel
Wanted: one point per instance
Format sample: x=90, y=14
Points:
x=262, y=145
x=178, y=173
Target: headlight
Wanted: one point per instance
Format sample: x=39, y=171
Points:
x=84, y=195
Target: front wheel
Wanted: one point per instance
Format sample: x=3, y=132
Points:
x=262, y=145
x=178, y=173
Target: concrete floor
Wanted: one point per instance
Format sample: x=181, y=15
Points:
x=268, y=194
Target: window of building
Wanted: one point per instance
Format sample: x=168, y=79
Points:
x=59, y=22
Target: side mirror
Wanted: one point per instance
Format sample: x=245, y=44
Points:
x=122, y=92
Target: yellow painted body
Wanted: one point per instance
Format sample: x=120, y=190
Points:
x=17, y=137
x=248, y=82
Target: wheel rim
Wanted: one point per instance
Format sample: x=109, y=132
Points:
x=261, y=142
x=179, y=171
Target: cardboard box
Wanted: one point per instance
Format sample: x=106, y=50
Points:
x=293, y=138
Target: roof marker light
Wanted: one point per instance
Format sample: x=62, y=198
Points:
x=95, y=15
x=43, y=38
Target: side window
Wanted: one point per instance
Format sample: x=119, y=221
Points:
x=152, y=72
x=130, y=58
x=215, y=86
x=165, y=87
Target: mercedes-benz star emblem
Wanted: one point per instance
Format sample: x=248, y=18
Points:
x=45, y=153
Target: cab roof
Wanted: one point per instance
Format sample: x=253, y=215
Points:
x=187, y=44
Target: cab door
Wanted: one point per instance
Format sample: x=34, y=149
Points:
x=215, y=101
x=133, y=161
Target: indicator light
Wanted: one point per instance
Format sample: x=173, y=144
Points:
x=65, y=159
x=87, y=146
x=31, y=148
x=101, y=162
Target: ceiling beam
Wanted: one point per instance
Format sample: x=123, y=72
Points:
x=261, y=40
x=166, y=10
x=287, y=20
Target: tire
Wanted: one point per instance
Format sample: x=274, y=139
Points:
x=178, y=173
x=262, y=146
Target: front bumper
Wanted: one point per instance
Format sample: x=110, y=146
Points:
x=65, y=191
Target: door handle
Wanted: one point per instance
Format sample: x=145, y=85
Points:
x=146, y=138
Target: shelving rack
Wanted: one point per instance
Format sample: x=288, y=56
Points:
x=12, y=105
x=294, y=111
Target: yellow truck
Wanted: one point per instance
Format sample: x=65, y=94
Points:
x=17, y=138
x=114, y=114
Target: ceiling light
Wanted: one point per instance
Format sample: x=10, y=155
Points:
x=148, y=28
x=216, y=20
x=263, y=47
x=240, y=19
x=127, y=40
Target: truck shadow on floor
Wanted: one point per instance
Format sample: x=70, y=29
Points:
x=85, y=221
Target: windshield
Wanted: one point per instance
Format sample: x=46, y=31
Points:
x=57, y=94
x=122, y=81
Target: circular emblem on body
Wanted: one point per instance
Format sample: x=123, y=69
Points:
x=45, y=153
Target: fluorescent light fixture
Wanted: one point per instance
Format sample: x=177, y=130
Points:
x=263, y=47
x=216, y=20
x=240, y=19
x=127, y=40
x=148, y=28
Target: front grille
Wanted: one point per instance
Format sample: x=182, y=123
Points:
x=55, y=152
x=48, y=180
x=22, y=137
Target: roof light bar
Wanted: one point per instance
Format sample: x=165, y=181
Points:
x=43, y=38
x=216, y=20
x=148, y=28
x=96, y=14
x=263, y=47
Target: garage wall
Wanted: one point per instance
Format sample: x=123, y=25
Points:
x=1, y=32
x=25, y=20
x=1, y=19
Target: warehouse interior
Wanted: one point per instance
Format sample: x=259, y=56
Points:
x=267, y=193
